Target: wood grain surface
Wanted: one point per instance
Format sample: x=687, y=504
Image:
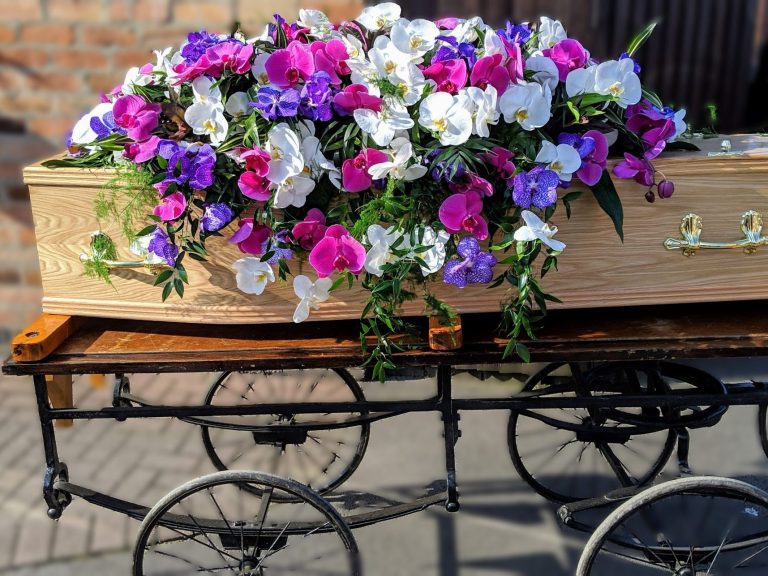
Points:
x=596, y=269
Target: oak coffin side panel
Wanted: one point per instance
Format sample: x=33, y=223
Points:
x=596, y=269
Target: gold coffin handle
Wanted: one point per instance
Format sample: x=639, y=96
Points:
x=691, y=226
x=97, y=255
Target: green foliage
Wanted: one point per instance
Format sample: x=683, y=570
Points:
x=102, y=250
x=641, y=38
x=606, y=195
x=127, y=199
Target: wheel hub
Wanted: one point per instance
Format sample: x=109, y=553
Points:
x=250, y=567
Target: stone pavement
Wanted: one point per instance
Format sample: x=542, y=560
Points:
x=503, y=528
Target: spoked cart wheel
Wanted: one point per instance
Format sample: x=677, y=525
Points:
x=685, y=527
x=572, y=454
x=318, y=450
x=231, y=523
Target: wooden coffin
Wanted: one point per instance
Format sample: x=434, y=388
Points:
x=596, y=269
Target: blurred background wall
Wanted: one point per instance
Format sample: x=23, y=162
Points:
x=56, y=56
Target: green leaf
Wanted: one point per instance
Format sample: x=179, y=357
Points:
x=163, y=277
x=592, y=99
x=567, y=199
x=167, y=291
x=653, y=98
x=606, y=195
x=522, y=351
x=641, y=38
x=681, y=145
x=574, y=111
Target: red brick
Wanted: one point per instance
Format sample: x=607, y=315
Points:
x=55, y=81
x=53, y=129
x=12, y=79
x=107, y=36
x=21, y=10
x=75, y=105
x=140, y=10
x=98, y=83
x=163, y=36
x=25, y=57
x=128, y=58
x=91, y=60
x=76, y=10
x=26, y=103
x=204, y=12
x=254, y=14
x=7, y=34
x=9, y=276
x=33, y=278
x=59, y=34
x=19, y=193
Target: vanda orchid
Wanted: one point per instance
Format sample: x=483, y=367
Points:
x=390, y=152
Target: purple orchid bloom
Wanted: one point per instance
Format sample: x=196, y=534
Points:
x=538, y=187
x=193, y=165
x=274, y=243
x=625, y=56
x=317, y=97
x=161, y=246
x=137, y=116
x=197, y=44
x=216, y=216
x=475, y=267
x=633, y=167
x=593, y=149
x=275, y=104
x=516, y=33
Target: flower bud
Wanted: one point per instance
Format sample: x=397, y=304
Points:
x=650, y=196
x=666, y=189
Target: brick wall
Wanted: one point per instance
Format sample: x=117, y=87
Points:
x=56, y=56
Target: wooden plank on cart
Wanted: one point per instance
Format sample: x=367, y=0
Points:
x=42, y=337
x=640, y=333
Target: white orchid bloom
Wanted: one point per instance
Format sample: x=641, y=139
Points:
x=562, y=159
x=434, y=258
x=253, y=275
x=414, y=37
x=366, y=73
x=203, y=90
x=550, y=32
x=383, y=126
x=354, y=46
x=388, y=59
x=536, y=229
x=293, y=191
x=259, y=68
x=410, y=84
x=237, y=104
x=207, y=119
x=285, y=148
x=466, y=31
x=315, y=161
x=581, y=81
x=545, y=71
x=318, y=23
x=482, y=106
x=82, y=133
x=310, y=294
x=401, y=154
x=381, y=240
x=444, y=115
x=527, y=104
x=680, y=124
x=134, y=77
x=617, y=78
x=140, y=246
x=381, y=16
x=492, y=43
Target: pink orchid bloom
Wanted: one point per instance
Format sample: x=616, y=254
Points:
x=449, y=75
x=136, y=115
x=232, y=56
x=337, y=252
x=171, y=207
x=256, y=160
x=633, y=167
x=568, y=55
x=471, y=183
x=139, y=152
x=593, y=164
x=311, y=230
x=254, y=186
x=331, y=58
x=286, y=67
x=356, y=97
x=501, y=160
x=461, y=212
x=354, y=172
x=447, y=23
x=489, y=70
x=250, y=237
x=514, y=64
x=147, y=69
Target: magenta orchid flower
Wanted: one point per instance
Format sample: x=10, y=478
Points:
x=336, y=252
x=461, y=212
x=137, y=116
x=449, y=75
x=171, y=207
x=568, y=55
x=286, y=67
x=471, y=183
x=490, y=70
x=139, y=152
x=331, y=58
x=356, y=97
x=500, y=159
x=232, y=56
x=250, y=237
x=311, y=230
x=633, y=167
x=354, y=172
x=253, y=182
